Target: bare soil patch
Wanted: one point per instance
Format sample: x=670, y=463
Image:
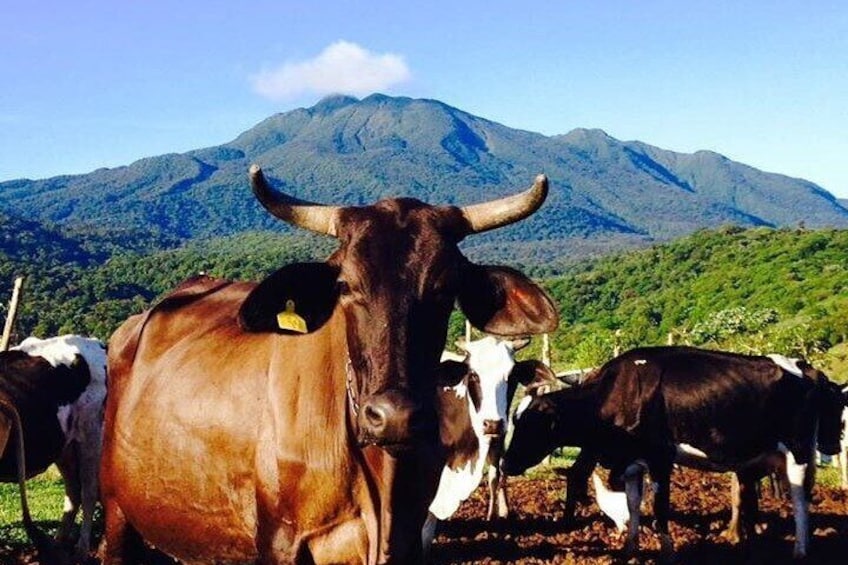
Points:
x=535, y=533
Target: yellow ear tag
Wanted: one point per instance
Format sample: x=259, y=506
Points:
x=289, y=320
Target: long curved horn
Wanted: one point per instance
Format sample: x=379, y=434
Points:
x=302, y=213
x=507, y=210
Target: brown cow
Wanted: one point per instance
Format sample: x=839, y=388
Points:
x=228, y=438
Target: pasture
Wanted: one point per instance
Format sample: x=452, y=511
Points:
x=534, y=534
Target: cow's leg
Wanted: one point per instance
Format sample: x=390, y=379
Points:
x=777, y=486
x=498, y=506
x=634, y=478
x=69, y=469
x=88, y=458
x=122, y=544
x=498, y=503
x=800, y=475
x=733, y=533
x=428, y=534
x=843, y=466
x=662, y=507
x=577, y=482
x=744, y=509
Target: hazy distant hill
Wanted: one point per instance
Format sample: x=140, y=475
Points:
x=606, y=194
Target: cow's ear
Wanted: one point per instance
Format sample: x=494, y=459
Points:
x=299, y=298
x=502, y=301
x=537, y=378
x=532, y=372
x=449, y=373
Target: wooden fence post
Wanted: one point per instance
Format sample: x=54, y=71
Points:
x=546, y=349
x=11, y=314
x=616, y=348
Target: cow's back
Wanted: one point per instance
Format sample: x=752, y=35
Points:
x=727, y=405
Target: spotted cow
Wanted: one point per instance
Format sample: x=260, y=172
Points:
x=653, y=407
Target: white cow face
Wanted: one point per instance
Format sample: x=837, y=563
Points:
x=491, y=361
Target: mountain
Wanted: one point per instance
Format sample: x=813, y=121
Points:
x=605, y=193
x=23, y=241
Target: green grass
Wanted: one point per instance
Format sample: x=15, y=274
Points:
x=45, y=495
x=561, y=458
x=828, y=476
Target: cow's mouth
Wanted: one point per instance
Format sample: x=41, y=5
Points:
x=828, y=448
x=493, y=428
x=396, y=449
x=512, y=469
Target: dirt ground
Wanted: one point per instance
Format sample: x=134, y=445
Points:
x=534, y=533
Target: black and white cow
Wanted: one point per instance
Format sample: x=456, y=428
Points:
x=58, y=388
x=653, y=407
x=473, y=414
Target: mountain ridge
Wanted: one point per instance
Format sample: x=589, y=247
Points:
x=344, y=150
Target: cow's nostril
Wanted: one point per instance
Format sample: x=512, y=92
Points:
x=493, y=427
x=389, y=418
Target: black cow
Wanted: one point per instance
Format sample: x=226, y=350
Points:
x=652, y=407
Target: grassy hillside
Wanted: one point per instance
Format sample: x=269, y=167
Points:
x=759, y=290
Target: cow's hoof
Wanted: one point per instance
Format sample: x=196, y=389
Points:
x=629, y=553
x=799, y=553
x=569, y=524
x=667, y=554
x=731, y=536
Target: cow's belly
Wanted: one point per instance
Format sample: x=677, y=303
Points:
x=183, y=460
x=691, y=456
x=193, y=494
x=43, y=443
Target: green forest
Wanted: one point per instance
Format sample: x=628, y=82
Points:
x=757, y=290
x=753, y=291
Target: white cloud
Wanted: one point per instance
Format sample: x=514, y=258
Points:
x=341, y=68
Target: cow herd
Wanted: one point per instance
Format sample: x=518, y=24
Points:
x=315, y=417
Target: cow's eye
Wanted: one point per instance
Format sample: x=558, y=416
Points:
x=342, y=287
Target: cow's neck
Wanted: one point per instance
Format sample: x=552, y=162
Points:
x=391, y=509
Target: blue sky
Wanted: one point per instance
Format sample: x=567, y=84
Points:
x=89, y=84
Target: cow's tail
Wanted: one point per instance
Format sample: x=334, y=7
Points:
x=48, y=550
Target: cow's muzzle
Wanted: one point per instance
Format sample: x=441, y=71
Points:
x=829, y=448
x=391, y=420
x=493, y=428
x=511, y=468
